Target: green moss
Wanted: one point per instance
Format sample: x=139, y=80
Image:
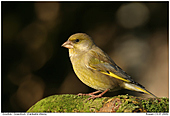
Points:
x=120, y=103
x=67, y=103
x=137, y=104
x=128, y=104
x=156, y=105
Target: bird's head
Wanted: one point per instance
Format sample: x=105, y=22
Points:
x=79, y=42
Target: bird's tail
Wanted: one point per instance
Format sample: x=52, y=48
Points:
x=134, y=87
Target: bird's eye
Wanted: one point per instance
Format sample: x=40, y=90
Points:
x=77, y=40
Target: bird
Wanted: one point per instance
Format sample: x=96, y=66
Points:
x=96, y=69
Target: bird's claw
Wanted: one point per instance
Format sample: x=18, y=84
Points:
x=94, y=97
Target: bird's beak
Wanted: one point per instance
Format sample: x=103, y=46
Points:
x=68, y=44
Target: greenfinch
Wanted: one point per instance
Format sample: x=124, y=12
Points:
x=96, y=69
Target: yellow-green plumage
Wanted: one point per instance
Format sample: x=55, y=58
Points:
x=95, y=68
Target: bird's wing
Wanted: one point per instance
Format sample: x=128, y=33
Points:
x=100, y=61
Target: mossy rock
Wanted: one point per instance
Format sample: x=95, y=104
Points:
x=121, y=103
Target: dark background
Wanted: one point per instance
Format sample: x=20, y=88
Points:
x=34, y=65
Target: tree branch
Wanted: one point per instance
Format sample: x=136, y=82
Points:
x=120, y=103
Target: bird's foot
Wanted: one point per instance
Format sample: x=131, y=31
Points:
x=94, y=97
x=89, y=94
x=92, y=94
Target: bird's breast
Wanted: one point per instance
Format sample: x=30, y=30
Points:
x=92, y=77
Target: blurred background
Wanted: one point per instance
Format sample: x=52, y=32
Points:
x=34, y=65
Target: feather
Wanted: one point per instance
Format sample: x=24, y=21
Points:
x=101, y=62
